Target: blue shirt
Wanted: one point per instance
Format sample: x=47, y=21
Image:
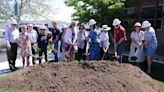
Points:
x=150, y=35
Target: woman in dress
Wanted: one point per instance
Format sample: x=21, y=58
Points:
x=150, y=43
x=25, y=45
x=94, y=41
x=136, y=48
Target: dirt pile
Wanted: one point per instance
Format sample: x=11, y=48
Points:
x=80, y=77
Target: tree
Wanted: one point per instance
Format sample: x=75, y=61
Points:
x=34, y=8
x=103, y=11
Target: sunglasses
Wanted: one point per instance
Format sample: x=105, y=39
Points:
x=117, y=26
x=137, y=26
x=42, y=29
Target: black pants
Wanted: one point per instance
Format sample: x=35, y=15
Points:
x=33, y=52
x=12, y=54
x=106, y=55
x=45, y=54
x=80, y=54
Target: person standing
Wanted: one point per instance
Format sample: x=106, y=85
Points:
x=81, y=38
x=25, y=45
x=62, y=37
x=150, y=43
x=119, y=38
x=104, y=42
x=33, y=39
x=136, y=47
x=55, y=39
x=11, y=38
x=42, y=43
x=94, y=48
x=71, y=42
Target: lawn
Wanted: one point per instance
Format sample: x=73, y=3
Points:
x=158, y=75
x=9, y=90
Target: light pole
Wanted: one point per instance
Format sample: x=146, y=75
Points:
x=17, y=11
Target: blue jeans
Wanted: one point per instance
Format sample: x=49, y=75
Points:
x=120, y=50
x=56, y=53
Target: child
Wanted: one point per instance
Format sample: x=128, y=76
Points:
x=24, y=44
x=42, y=43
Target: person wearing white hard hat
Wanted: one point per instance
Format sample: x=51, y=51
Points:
x=94, y=48
x=119, y=38
x=150, y=43
x=33, y=39
x=71, y=41
x=104, y=42
x=25, y=45
x=42, y=43
x=11, y=38
x=136, y=47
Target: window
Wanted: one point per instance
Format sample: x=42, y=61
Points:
x=130, y=10
x=149, y=12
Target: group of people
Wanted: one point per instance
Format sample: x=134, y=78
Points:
x=86, y=42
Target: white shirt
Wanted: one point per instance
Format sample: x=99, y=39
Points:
x=68, y=36
x=137, y=36
x=104, y=37
x=11, y=35
x=33, y=36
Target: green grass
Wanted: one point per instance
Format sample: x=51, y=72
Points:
x=9, y=90
x=161, y=84
x=2, y=75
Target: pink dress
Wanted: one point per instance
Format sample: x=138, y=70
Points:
x=24, y=43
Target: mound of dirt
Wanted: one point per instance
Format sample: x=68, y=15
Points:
x=80, y=77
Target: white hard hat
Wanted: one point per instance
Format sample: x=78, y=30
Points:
x=105, y=28
x=92, y=22
x=64, y=26
x=146, y=24
x=137, y=24
x=13, y=22
x=42, y=27
x=116, y=22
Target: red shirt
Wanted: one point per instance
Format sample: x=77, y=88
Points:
x=119, y=33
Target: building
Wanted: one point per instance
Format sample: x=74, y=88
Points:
x=151, y=10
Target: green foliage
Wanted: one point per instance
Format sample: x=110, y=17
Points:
x=103, y=11
x=34, y=8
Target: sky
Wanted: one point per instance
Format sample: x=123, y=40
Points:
x=63, y=12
